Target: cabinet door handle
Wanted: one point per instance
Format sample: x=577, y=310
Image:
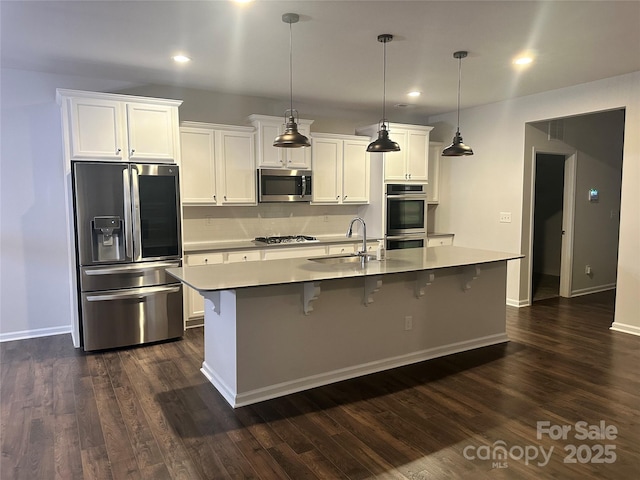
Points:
x=345, y=197
x=214, y=198
x=337, y=197
x=225, y=198
x=132, y=152
x=118, y=150
x=409, y=176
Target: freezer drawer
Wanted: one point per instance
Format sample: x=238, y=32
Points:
x=119, y=318
x=132, y=275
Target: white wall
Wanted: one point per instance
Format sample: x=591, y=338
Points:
x=34, y=293
x=477, y=188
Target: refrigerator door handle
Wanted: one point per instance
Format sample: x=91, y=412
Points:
x=128, y=239
x=137, y=232
x=131, y=268
x=137, y=293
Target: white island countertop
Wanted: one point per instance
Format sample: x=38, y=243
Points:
x=298, y=270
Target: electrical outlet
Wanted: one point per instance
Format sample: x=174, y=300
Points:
x=209, y=221
x=587, y=269
x=505, y=217
x=408, y=322
x=326, y=218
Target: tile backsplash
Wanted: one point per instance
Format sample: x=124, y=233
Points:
x=208, y=224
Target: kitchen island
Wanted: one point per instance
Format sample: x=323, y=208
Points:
x=280, y=326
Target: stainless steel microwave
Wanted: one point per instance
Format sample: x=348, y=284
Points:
x=276, y=185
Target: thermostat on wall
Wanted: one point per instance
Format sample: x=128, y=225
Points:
x=593, y=195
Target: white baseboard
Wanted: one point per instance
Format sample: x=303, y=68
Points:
x=590, y=290
x=40, y=332
x=285, y=388
x=518, y=303
x=625, y=328
x=226, y=391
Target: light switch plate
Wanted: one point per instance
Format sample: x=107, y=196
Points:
x=505, y=217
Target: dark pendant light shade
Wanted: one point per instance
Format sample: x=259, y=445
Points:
x=457, y=148
x=291, y=138
x=384, y=143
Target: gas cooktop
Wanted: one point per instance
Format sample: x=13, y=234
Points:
x=286, y=239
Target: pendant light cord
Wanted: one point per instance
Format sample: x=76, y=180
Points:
x=384, y=81
x=291, y=67
x=459, y=81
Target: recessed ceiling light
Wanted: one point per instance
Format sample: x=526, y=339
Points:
x=523, y=60
x=415, y=93
x=181, y=58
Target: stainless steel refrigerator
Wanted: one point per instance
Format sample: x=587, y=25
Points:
x=127, y=220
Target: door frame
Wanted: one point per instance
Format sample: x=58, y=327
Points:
x=568, y=215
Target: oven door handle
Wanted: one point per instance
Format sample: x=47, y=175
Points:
x=137, y=293
x=407, y=196
x=408, y=236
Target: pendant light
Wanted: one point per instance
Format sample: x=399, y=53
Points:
x=457, y=148
x=384, y=143
x=291, y=138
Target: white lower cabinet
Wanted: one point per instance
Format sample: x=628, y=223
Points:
x=194, y=302
x=294, y=252
x=342, y=249
x=440, y=241
x=244, y=256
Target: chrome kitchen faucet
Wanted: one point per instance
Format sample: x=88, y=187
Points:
x=363, y=252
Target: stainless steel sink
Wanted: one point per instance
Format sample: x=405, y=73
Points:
x=345, y=258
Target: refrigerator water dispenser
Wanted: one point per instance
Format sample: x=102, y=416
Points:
x=107, y=245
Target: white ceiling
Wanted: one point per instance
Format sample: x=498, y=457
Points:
x=337, y=59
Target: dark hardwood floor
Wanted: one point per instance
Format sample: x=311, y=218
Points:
x=148, y=413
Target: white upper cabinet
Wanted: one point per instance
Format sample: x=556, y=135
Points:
x=267, y=129
x=101, y=126
x=433, y=188
x=198, y=170
x=411, y=163
x=150, y=131
x=340, y=169
x=235, y=157
x=218, y=164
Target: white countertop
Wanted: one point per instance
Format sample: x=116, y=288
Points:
x=298, y=270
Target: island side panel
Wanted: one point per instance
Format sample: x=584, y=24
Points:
x=220, y=340
x=281, y=350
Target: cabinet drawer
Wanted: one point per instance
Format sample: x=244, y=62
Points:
x=440, y=241
x=294, y=252
x=244, y=256
x=339, y=249
x=203, y=259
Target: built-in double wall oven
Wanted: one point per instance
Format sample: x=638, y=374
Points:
x=406, y=214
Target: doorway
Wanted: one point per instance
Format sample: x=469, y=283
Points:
x=548, y=225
